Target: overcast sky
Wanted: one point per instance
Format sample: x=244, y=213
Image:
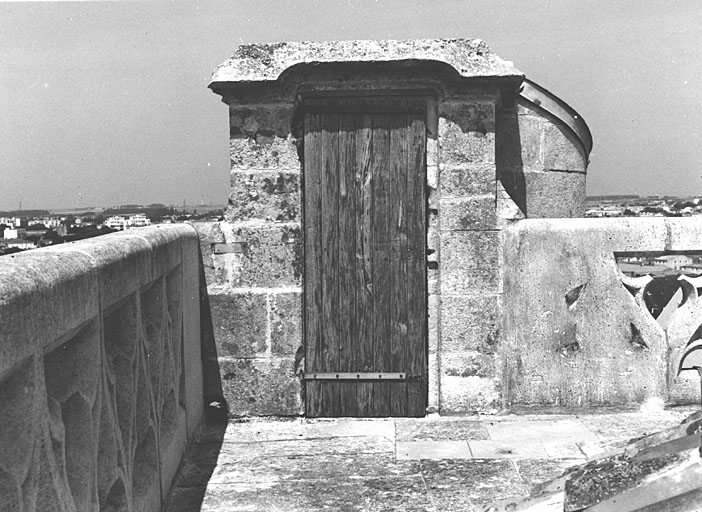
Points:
x=106, y=103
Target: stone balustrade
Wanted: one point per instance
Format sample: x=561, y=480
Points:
x=100, y=370
x=576, y=332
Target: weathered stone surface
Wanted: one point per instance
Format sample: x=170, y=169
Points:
x=512, y=449
x=541, y=429
x=469, y=250
x=466, y=134
x=470, y=262
x=166, y=244
x=349, y=446
x=264, y=195
x=214, y=265
x=265, y=62
x=470, y=116
x=535, y=472
x=470, y=323
x=102, y=395
x=432, y=450
x=467, y=484
x=531, y=128
x=469, y=394
x=467, y=182
x=605, y=478
x=581, y=353
x=271, y=153
x=433, y=323
x=240, y=324
x=616, y=430
x=307, y=467
x=260, y=387
x=42, y=285
x=559, y=152
x=467, y=364
x=271, y=257
x=260, y=123
x=296, y=496
x=256, y=429
x=440, y=429
x=465, y=214
x=434, y=377
x=286, y=323
x=471, y=281
x=555, y=194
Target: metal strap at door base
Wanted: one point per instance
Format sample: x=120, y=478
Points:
x=356, y=376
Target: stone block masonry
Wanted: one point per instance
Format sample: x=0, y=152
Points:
x=493, y=156
x=470, y=256
x=255, y=290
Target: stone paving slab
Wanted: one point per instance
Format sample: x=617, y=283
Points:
x=235, y=452
x=310, y=467
x=439, y=429
x=614, y=430
x=429, y=464
x=281, y=430
x=563, y=450
x=490, y=449
x=374, y=494
x=535, y=472
x=567, y=430
x=467, y=485
x=298, y=496
x=432, y=450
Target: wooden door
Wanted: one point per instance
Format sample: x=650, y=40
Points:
x=365, y=279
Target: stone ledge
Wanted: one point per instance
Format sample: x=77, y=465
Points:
x=264, y=62
x=46, y=293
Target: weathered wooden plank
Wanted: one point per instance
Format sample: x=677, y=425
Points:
x=347, y=260
x=362, y=343
x=397, y=268
x=416, y=267
x=381, y=192
x=330, y=260
x=312, y=292
x=365, y=279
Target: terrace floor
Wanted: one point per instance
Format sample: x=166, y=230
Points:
x=439, y=464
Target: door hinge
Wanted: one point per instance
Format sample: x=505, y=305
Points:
x=356, y=376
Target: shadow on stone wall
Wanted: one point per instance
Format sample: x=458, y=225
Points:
x=201, y=457
x=215, y=405
x=508, y=156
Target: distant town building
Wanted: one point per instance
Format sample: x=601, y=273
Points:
x=674, y=261
x=120, y=222
x=11, y=221
x=13, y=233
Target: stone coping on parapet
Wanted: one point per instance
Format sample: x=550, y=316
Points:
x=265, y=62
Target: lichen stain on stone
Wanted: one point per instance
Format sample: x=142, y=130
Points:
x=602, y=479
x=258, y=51
x=293, y=236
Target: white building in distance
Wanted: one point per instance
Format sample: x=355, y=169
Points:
x=121, y=223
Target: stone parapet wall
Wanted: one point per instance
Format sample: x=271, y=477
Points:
x=572, y=333
x=100, y=370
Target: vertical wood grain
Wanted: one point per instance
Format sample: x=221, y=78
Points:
x=416, y=272
x=312, y=291
x=365, y=242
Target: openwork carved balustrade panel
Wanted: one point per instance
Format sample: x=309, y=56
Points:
x=102, y=395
